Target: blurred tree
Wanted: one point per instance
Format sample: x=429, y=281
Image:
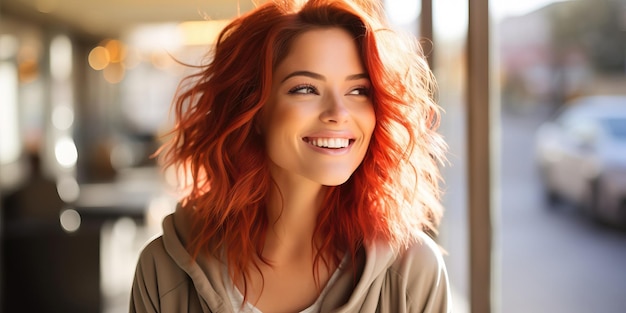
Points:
x=597, y=27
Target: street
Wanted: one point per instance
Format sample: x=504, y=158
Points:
x=546, y=259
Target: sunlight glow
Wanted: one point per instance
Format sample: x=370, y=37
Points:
x=201, y=32
x=501, y=9
x=450, y=18
x=10, y=145
x=403, y=11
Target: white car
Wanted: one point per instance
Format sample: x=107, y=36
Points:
x=582, y=156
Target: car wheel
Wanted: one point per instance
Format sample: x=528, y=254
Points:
x=551, y=198
x=595, y=203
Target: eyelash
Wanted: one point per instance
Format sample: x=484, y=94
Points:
x=310, y=89
x=363, y=91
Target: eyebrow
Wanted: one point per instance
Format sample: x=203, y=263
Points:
x=321, y=77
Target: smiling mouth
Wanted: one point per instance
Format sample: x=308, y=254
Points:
x=329, y=143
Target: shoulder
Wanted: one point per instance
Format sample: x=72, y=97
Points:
x=157, y=268
x=162, y=255
x=159, y=282
x=421, y=273
x=154, y=249
x=423, y=256
x=155, y=253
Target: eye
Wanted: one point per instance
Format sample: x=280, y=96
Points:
x=360, y=91
x=304, y=89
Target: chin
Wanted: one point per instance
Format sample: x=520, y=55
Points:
x=328, y=175
x=336, y=180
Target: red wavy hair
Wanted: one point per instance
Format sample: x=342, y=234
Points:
x=392, y=196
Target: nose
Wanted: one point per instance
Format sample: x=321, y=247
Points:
x=335, y=111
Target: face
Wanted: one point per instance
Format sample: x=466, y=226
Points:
x=319, y=119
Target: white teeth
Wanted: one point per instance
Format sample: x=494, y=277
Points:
x=333, y=143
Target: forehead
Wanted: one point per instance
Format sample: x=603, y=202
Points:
x=323, y=49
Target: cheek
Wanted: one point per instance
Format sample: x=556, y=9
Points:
x=368, y=121
x=292, y=115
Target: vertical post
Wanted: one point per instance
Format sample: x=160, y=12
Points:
x=479, y=173
x=426, y=31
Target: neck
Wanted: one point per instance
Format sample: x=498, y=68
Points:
x=292, y=214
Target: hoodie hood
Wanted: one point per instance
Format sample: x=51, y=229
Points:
x=168, y=279
x=206, y=271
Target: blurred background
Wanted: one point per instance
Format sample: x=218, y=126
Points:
x=85, y=91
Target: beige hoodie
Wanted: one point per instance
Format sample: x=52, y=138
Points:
x=168, y=280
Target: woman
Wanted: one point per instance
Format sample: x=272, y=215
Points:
x=311, y=146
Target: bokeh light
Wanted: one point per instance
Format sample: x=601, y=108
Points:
x=70, y=220
x=68, y=189
x=61, y=58
x=99, y=58
x=28, y=61
x=65, y=152
x=111, y=58
x=114, y=73
x=117, y=50
x=62, y=117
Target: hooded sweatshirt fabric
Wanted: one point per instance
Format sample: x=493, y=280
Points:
x=167, y=279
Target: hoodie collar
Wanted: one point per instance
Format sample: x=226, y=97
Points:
x=205, y=271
